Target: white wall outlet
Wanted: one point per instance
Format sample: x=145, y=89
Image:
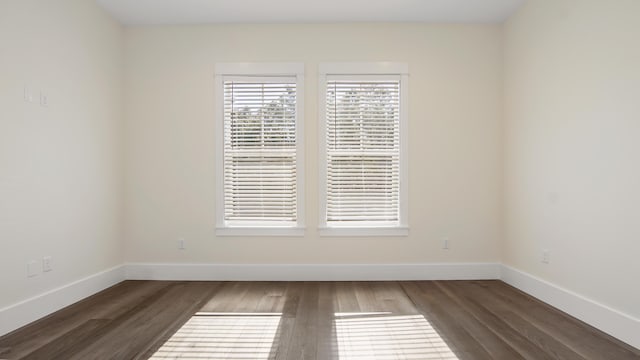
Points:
x=47, y=264
x=181, y=244
x=32, y=268
x=445, y=243
x=546, y=256
x=28, y=94
x=44, y=99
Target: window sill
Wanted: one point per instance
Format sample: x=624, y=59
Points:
x=364, y=231
x=260, y=231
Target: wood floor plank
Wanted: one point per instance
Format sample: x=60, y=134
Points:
x=391, y=297
x=460, y=320
x=226, y=298
x=292, y=302
x=108, y=304
x=480, y=294
x=504, y=334
x=142, y=327
x=366, y=298
x=285, y=334
x=457, y=337
x=252, y=293
x=68, y=344
x=164, y=334
x=346, y=299
x=273, y=299
x=481, y=328
x=303, y=345
x=585, y=340
x=327, y=346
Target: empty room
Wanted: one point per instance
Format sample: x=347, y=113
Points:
x=320, y=179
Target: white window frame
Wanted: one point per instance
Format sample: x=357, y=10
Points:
x=358, y=70
x=222, y=71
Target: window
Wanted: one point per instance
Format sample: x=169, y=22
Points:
x=363, y=149
x=259, y=149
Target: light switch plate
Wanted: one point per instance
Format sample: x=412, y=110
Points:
x=32, y=268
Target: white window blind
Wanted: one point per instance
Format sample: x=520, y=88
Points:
x=260, y=172
x=362, y=151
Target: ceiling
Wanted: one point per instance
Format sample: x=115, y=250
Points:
x=164, y=12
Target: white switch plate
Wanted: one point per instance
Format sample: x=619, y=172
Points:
x=546, y=254
x=181, y=244
x=32, y=268
x=47, y=264
x=445, y=243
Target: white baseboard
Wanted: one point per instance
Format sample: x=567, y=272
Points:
x=602, y=317
x=17, y=315
x=313, y=272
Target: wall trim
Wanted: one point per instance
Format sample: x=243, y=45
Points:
x=613, y=322
x=312, y=272
x=22, y=313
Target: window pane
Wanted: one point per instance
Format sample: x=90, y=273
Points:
x=260, y=152
x=363, y=152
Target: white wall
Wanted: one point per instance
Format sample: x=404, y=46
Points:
x=61, y=165
x=455, y=109
x=572, y=152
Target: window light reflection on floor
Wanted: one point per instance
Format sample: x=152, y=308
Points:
x=209, y=335
x=357, y=336
x=390, y=337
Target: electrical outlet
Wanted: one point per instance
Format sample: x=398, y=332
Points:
x=546, y=255
x=47, y=264
x=44, y=99
x=445, y=243
x=32, y=268
x=181, y=244
x=28, y=94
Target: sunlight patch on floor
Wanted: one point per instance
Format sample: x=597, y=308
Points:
x=381, y=336
x=210, y=335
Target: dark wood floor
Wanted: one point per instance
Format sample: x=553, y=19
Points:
x=453, y=320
